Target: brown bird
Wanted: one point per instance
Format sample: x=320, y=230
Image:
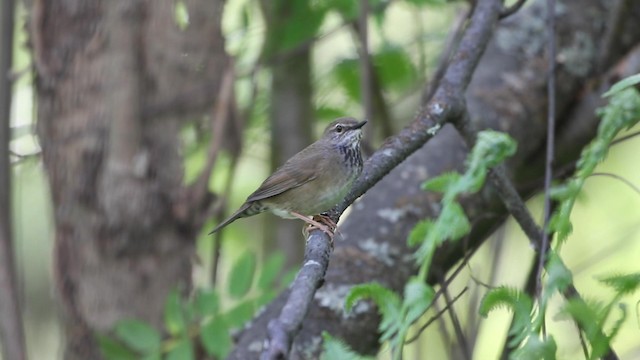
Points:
x=312, y=181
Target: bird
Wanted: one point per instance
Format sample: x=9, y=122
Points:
x=312, y=181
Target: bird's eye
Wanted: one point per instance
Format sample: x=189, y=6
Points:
x=339, y=129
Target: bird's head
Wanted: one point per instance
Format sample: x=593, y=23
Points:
x=344, y=132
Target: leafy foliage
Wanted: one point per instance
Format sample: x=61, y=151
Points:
x=515, y=300
x=334, y=349
x=491, y=148
x=398, y=315
x=622, y=112
x=202, y=318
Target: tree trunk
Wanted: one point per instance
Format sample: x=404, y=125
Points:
x=114, y=81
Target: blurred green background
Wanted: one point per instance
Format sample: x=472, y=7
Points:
x=606, y=237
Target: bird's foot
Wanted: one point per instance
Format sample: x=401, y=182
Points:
x=320, y=222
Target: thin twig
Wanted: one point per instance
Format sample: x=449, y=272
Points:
x=462, y=340
x=624, y=138
x=436, y=316
x=219, y=120
x=551, y=127
x=620, y=178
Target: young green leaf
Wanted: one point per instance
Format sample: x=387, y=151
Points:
x=388, y=303
x=334, y=349
x=536, y=349
x=442, y=182
x=515, y=300
x=240, y=314
x=623, y=284
x=183, y=350
x=270, y=271
x=215, y=338
x=559, y=277
x=206, y=302
x=394, y=68
x=622, y=85
x=241, y=276
x=418, y=296
x=173, y=317
x=113, y=350
x=623, y=111
x=138, y=336
x=347, y=76
x=590, y=316
x=419, y=232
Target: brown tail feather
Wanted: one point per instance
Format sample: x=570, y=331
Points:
x=247, y=209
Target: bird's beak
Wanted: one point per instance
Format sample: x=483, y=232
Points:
x=359, y=125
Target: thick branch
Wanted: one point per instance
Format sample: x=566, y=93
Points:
x=507, y=93
x=447, y=103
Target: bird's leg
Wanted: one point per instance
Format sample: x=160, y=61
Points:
x=313, y=224
x=326, y=220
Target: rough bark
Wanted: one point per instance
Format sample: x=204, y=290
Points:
x=508, y=94
x=115, y=79
x=290, y=116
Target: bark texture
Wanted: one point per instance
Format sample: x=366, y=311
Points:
x=507, y=93
x=115, y=80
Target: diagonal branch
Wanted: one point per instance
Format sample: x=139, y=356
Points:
x=446, y=105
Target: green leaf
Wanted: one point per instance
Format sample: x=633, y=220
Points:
x=334, y=349
x=206, y=302
x=491, y=148
x=270, y=271
x=418, y=296
x=536, y=349
x=559, y=277
x=240, y=314
x=388, y=303
x=138, y=336
x=618, y=324
x=241, y=276
x=441, y=183
x=623, y=84
x=394, y=68
x=215, y=338
x=183, y=350
x=347, y=8
x=623, y=284
x=299, y=23
x=347, y=75
x=590, y=316
x=623, y=111
x=515, y=300
x=113, y=350
x=173, y=317
x=420, y=232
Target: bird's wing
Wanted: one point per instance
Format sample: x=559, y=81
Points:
x=289, y=176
